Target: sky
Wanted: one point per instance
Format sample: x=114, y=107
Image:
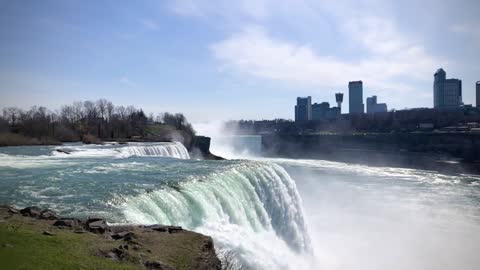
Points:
x=244, y=59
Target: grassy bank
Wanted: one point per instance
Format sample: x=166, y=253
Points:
x=31, y=243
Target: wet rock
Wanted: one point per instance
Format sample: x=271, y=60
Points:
x=157, y=265
x=63, y=151
x=49, y=214
x=32, y=211
x=48, y=233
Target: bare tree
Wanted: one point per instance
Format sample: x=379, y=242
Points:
x=110, y=110
x=102, y=107
x=12, y=114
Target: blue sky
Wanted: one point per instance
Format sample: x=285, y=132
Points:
x=220, y=60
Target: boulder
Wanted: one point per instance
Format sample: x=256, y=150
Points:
x=67, y=222
x=97, y=226
x=49, y=214
x=12, y=210
x=32, y=211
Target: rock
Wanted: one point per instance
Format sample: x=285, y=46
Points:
x=67, y=222
x=127, y=236
x=122, y=228
x=7, y=245
x=48, y=233
x=117, y=254
x=12, y=210
x=163, y=228
x=32, y=211
x=63, y=151
x=157, y=265
x=97, y=226
x=49, y=214
x=93, y=219
x=80, y=231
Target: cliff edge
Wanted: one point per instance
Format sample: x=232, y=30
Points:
x=34, y=238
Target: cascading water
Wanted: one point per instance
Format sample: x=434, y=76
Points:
x=164, y=149
x=176, y=150
x=257, y=201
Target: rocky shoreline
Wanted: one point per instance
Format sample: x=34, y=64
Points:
x=119, y=247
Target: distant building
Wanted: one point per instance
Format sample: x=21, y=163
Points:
x=339, y=99
x=332, y=113
x=447, y=93
x=477, y=92
x=319, y=111
x=355, y=97
x=303, y=109
x=374, y=107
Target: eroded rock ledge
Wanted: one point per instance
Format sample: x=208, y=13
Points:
x=137, y=246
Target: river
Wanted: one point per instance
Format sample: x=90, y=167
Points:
x=262, y=213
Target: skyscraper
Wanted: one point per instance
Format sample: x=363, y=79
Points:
x=319, y=111
x=374, y=107
x=447, y=93
x=477, y=92
x=355, y=97
x=339, y=99
x=303, y=109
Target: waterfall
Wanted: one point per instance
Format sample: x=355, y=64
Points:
x=176, y=150
x=163, y=149
x=254, y=200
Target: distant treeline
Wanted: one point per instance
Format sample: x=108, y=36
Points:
x=93, y=120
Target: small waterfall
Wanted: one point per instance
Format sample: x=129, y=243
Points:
x=163, y=149
x=254, y=200
x=176, y=150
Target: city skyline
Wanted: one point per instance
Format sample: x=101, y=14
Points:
x=211, y=60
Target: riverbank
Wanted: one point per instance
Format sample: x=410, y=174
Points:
x=13, y=139
x=34, y=238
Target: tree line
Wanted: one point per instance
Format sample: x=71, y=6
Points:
x=89, y=119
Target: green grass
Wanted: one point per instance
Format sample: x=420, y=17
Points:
x=65, y=250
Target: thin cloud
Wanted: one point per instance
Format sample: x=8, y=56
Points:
x=469, y=29
x=255, y=53
x=150, y=24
